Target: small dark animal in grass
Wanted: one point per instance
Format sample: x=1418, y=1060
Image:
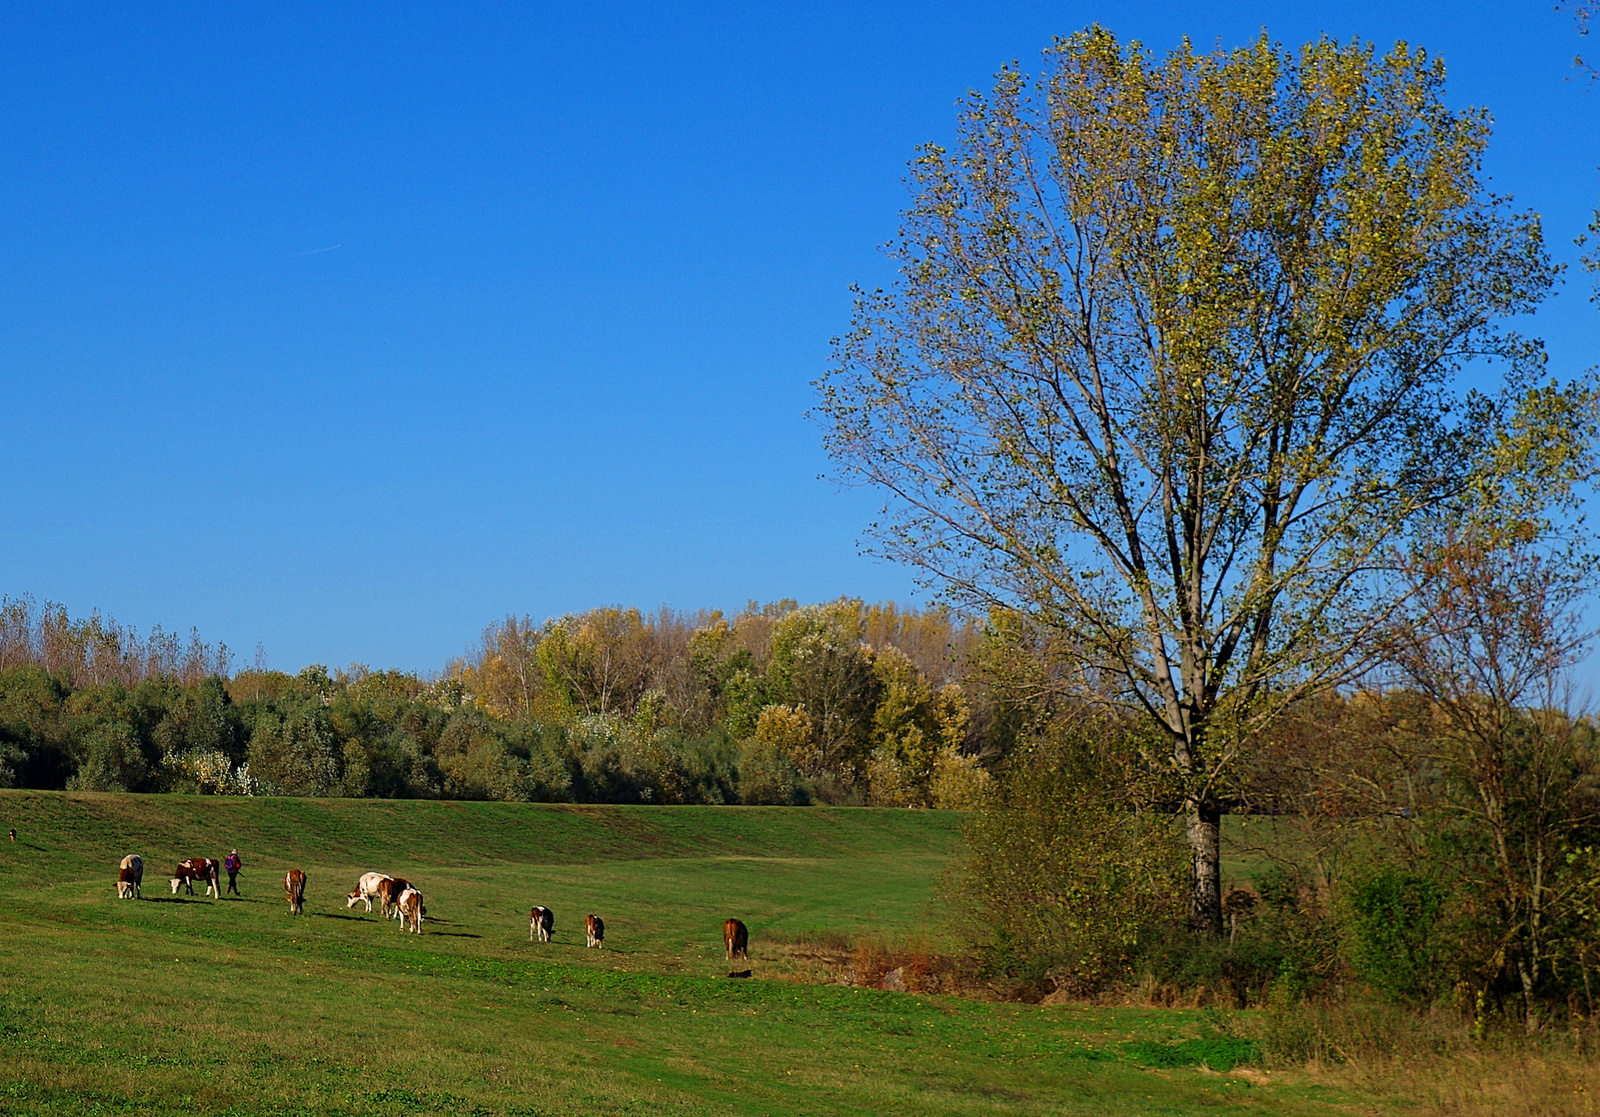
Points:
x=541, y=921
x=191, y=869
x=736, y=937
x=294, y=888
x=594, y=928
x=130, y=875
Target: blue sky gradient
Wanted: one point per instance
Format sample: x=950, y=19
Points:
x=349, y=328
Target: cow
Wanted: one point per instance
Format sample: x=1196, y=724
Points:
x=736, y=938
x=130, y=875
x=366, y=889
x=410, y=905
x=191, y=869
x=542, y=920
x=294, y=888
x=390, y=889
x=594, y=929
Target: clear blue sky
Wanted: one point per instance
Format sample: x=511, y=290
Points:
x=348, y=328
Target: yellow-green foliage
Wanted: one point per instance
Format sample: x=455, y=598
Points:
x=958, y=782
x=1064, y=876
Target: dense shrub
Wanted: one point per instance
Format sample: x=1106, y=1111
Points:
x=1393, y=917
x=1066, y=877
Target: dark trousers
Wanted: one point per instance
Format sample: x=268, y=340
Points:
x=233, y=883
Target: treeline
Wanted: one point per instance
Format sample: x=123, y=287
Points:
x=781, y=704
x=98, y=649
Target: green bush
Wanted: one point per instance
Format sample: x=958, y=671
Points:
x=1393, y=916
x=1065, y=879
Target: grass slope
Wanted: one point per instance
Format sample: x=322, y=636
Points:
x=183, y=1005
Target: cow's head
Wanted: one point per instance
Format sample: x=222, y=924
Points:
x=176, y=882
x=353, y=899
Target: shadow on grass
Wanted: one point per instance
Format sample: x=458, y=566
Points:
x=176, y=900
x=457, y=935
x=335, y=915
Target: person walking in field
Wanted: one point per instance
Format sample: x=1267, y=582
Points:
x=233, y=865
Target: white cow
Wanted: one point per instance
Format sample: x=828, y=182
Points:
x=367, y=890
x=130, y=875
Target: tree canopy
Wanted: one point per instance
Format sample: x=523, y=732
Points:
x=1171, y=368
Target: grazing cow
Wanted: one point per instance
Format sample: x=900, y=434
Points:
x=390, y=889
x=594, y=929
x=294, y=887
x=191, y=869
x=542, y=920
x=366, y=889
x=410, y=905
x=130, y=875
x=736, y=937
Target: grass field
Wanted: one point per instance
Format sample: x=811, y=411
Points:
x=180, y=1005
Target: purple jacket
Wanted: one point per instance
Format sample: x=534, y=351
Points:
x=233, y=864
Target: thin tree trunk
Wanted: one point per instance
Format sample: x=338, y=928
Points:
x=1203, y=819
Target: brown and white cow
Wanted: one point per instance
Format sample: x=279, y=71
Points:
x=390, y=889
x=366, y=889
x=191, y=869
x=541, y=920
x=410, y=907
x=594, y=929
x=130, y=876
x=294, y=889
x=736, y=938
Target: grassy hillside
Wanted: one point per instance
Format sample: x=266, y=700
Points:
x=183, y=1005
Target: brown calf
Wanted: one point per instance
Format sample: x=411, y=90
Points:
x=736, y=937
x=390, y=890
x=294, y=889
x=541, y=920
x=594, y=929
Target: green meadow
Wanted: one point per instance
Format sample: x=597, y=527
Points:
x=173, y=1004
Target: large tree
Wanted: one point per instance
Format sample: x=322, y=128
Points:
x=1170, y=368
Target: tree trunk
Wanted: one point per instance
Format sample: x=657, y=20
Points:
x=1203, y=819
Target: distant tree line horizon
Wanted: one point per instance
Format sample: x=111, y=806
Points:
x=842, y=702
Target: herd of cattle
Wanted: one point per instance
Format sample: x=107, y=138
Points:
x=397, y=899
